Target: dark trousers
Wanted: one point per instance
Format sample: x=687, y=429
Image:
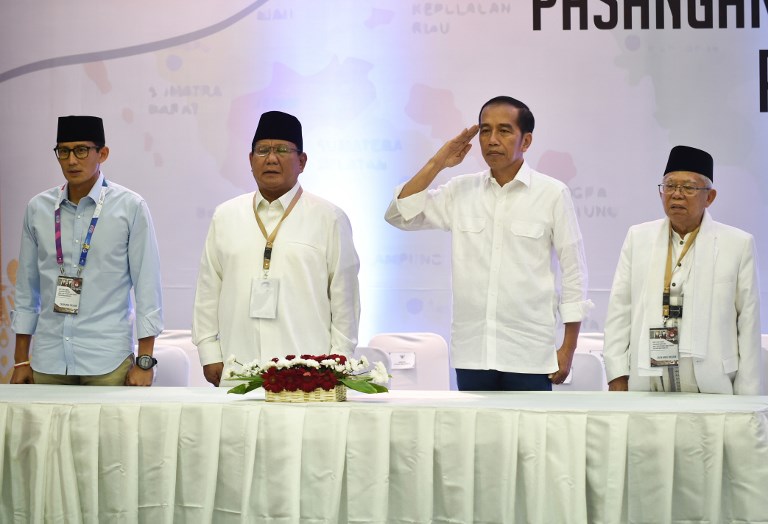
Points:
x=492, y=380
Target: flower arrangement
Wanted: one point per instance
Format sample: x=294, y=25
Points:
x=309, y=373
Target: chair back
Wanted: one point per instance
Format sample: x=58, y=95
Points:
x=374, y=355
x=590, y=343
x=182, y=338
x=587, y=374
x=172, y=366
x=418, y=360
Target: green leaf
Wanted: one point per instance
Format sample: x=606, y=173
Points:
x=363, y=386
x=242, y=389
x=239, y=389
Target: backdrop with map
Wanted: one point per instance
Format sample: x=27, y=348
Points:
x=379, y=86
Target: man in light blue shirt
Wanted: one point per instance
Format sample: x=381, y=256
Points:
x=85, y=244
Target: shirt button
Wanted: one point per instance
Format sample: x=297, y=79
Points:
x=681, y=242
x=673, y=284
x=66, y=338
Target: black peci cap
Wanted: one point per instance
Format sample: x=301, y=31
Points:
x=685, y=158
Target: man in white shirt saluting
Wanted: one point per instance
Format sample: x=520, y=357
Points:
x=278, y=274
x=505, y=224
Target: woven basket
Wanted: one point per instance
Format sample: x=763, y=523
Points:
x=337, y=394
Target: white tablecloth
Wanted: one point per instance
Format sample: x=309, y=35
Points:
x=191, y=455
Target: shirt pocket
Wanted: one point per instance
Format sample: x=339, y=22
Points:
x=523, y=229
x=528, y=245
x=468, y=224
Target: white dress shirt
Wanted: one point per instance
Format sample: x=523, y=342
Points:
x=314, y=259
x=505, y=300
x=681, y=273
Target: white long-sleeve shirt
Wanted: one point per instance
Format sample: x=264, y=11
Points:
x=504, y=294
x=314, y=259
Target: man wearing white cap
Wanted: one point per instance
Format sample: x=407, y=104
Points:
x=684, y=312
x=278, y=274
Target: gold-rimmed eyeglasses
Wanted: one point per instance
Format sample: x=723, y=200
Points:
x=668, y=189
x=278, y=150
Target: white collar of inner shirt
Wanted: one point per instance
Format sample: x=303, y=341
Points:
x=677, y=238
x=284, y=200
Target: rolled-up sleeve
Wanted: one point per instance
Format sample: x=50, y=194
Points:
x=428, y=209
x=574, y=305
x=144, y=263
x=27, y=301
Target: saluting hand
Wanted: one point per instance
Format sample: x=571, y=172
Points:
x=453, y=152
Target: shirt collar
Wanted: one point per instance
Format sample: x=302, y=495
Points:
x=95, y=191
x=523, y=176
x=93, y=194
x=284, y=200
x=676, y=238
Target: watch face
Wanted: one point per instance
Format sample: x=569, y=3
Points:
x=145, y=362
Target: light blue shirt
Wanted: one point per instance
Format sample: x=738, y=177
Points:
x=123, y=255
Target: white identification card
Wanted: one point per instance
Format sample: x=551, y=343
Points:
x=67, y=298
x=404, y=360
x=264, y=297
x=664, y=347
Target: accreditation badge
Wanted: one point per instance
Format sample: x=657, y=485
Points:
x=67, y=297
x=264, y=297
x=664, y=347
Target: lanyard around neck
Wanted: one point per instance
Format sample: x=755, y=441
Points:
x=270, y=238
x=668, y=271
x=86, y=247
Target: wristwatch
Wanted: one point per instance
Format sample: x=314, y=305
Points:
x=146, y=362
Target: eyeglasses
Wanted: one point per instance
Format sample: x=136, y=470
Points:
x=279, y=150
x=62, y=153
x=669, y=189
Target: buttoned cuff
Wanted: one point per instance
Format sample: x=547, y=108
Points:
x=575, y=311
x=23, y=322
x=210, y=351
